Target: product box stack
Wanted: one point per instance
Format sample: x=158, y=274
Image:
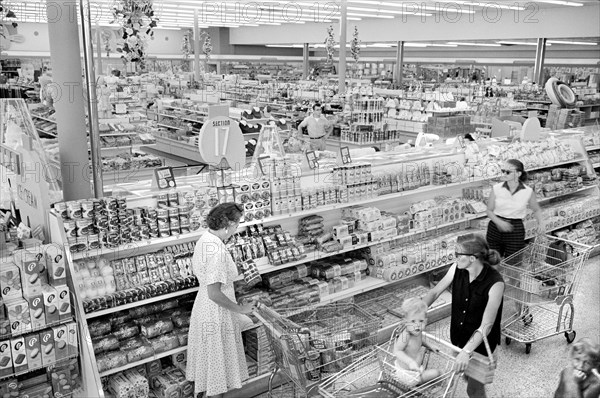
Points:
x=59, y=381
x=399, y=179
x=258, y=350
x=105, y=284
x=355, y=182
x=139, y=333
x=561, y=118
x=156, y=379
x=36, y=326
x=449, y=126
x=255, y=196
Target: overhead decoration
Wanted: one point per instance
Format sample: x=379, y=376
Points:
x=207, y=47
x=355, y=45
x=137, y=21
x=106, y=35
x=186, y=48
x=6, y=13
x=330, y=44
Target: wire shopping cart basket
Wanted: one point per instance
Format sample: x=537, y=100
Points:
x=311, y=344
x=375, y=373
x=540, y=281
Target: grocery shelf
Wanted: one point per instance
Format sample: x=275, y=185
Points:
x=118, y=134
x=592, y=148
x=143, y=361
x=168, y=126
x=54, y=364
x=151, y=300
x=575, y=219
x=575, y=160
x=596, y=165
x=318, y=255
x=23, y=332
x=543, y=199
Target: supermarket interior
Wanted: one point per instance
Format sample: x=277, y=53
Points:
x=291, y=199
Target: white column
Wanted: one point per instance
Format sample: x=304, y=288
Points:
x=69, y=103
x=399, y=62
x=99, y=50
x=342, y=66
x=196, y=46
x=305, y=61
x=540, y=56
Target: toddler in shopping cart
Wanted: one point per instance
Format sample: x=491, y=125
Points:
x=581, y=378
x=408, y=344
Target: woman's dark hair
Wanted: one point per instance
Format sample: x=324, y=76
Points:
x=477, y=246
x=518, y=165
x=221, y=215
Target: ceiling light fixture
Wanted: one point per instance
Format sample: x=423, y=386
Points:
x=562, y=3
x=577, y=43
x=474, y=44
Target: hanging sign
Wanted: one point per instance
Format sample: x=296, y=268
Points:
x=221, y=137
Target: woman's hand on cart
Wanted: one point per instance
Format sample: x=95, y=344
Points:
x=248, y=308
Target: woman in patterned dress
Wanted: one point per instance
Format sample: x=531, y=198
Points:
x=216, y=360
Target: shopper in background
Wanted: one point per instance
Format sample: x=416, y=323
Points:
x=216, y=359
x=507, y=207
x=477, y=297
x=318, y=128
x=581, y=379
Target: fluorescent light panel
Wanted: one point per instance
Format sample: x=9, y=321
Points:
x=474, y=44
x=578, y=43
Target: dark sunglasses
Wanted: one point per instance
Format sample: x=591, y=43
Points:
x=457, y=254
x=507, y=172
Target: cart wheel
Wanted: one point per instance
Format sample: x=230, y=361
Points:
x=527, y=348
x=570, y=336
x=508, y=340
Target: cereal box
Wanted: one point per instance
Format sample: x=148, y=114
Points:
x=61, y=382
x=6, y=363
x=19, y=316
x=55, y=264
x=47, y=342
x=50, y=304
x=64, y=302
x=10, y=281
x=30, y=271
x=33, y=350
x=19, y=354
x=72, y=339
x=61, y=347
x=36, y=310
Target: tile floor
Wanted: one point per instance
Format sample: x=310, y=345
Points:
x=519, y=375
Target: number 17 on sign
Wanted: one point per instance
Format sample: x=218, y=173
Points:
x=222, y=134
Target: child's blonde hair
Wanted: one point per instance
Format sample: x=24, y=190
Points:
x=588, y=347
x=413, y=305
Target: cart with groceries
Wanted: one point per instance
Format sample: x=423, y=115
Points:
x=540, y=281
x=314, y=343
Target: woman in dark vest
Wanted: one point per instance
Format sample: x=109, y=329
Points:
x=477, y=292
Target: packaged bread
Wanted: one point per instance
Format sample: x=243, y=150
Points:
x=152, y=329
x=111, y=360
x=126, y=331
x=105, y=343
x=99, y=328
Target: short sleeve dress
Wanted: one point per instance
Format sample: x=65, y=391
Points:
x=216, y=360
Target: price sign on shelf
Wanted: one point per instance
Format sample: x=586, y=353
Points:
x=345, y=152
x=164, y=178
x=311, y=157
x=221, y=137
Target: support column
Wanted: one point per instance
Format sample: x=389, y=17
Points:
x=305, y=61
x=99, y=50
x=196, y=46
x=65, y=56
x=540, y=56
x=399, y=63
x=342, y=65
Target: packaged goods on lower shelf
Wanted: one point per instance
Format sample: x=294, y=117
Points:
x=582, y=232
x=139, y=333
x=59, y=381
x=398, y=179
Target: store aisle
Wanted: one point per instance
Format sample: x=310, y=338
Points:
x=536, y=375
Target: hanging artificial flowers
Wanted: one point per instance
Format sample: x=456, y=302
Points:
x=186, y=49
x=207, y=48
x=330, y=44
x=355, y=46
x=137, y=21
x=106, y=36
x=7, y=13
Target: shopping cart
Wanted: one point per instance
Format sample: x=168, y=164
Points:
x=311, y=344
x=540, y=281
x=375, y=374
